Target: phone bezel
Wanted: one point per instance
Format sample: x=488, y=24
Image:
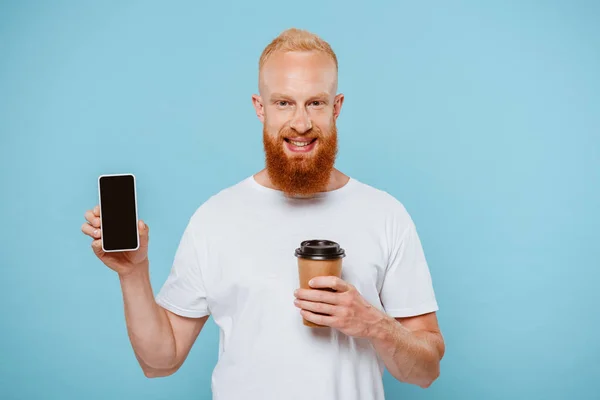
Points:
x=136, y=212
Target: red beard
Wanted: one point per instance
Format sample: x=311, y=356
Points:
x=302, y=174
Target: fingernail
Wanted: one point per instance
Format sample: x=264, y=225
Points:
x=95, y=232
x=311, y=282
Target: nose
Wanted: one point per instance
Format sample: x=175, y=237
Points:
x=301, y=122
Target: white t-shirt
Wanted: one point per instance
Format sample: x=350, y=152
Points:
x=236, y=262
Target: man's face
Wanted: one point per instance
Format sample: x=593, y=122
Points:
x=298, y=108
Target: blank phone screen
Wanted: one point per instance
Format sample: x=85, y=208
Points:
x=118, y=212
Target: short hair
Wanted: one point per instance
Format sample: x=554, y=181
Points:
x=294, y=39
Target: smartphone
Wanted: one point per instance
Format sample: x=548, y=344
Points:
x=118, y=212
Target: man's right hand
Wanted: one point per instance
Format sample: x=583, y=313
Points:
x=123, y=262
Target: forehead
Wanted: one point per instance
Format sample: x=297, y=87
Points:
x=298, y=74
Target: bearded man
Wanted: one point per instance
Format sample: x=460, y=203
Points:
x=236, y=262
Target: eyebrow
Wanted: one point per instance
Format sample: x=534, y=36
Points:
x=279, y=96
x=322, y=95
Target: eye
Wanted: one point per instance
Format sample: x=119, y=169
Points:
x=316, y=103
x=282, y=103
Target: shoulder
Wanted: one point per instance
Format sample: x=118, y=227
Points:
x=381, y=201
x=219, y=205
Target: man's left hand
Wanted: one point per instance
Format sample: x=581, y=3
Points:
x=346, y=309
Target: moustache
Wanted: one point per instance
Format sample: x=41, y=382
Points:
x=313, y=133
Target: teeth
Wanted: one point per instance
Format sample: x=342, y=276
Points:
x=299, y=144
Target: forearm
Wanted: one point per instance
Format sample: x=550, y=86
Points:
x=411, y=357
x=148, y=326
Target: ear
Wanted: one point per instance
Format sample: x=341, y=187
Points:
x=259, y=107
x=337, y=105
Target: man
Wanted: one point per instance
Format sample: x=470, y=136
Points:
x=236, y=262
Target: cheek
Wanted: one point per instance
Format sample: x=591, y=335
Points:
x=274, y=124
x=322, y=118
x=273, y=129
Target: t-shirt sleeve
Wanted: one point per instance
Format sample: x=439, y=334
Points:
x=407, y=288
x=184, y=293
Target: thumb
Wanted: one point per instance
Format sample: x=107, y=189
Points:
x=144, y=233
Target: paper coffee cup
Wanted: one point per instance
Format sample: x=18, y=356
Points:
x=318, y=258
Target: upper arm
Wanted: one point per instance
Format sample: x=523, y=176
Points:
x=185, y=332
x=426, y=325
x=407, y=287
x=183, y=296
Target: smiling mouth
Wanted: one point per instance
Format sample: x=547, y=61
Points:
x=302, y=143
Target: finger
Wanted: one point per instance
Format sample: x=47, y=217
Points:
x=91, y=231
x=319, y=296
x=97, y=211
x=317, y=318
x=97, y=246
x=144, y=231
x=321, y=308
x=329, y=282
x=92, y=219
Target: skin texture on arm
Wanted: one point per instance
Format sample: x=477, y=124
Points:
x=411, y=348
x=161, y=340
x=185, y=331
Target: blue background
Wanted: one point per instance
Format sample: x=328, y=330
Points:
x=481, y=117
